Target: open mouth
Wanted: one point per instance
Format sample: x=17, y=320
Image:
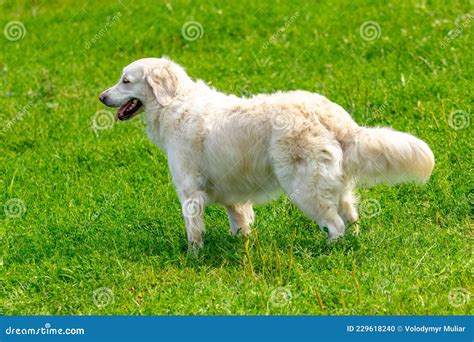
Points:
x=128, y=110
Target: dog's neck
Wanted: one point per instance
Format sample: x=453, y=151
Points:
x=158, y=117
x=190, y=94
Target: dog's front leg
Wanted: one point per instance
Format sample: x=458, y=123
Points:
x=190, y=189
x=193, y=203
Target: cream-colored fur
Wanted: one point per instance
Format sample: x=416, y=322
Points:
x=240, y=151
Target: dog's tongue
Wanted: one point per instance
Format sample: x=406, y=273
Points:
x=125, y=112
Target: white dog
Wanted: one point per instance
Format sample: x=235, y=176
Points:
x=240, y=151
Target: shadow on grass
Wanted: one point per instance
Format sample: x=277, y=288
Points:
x=166, y=245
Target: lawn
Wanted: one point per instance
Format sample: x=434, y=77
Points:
x=91, y=223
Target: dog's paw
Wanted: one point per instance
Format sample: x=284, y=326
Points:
x=194, y=247
x=245, y=232
x=334, y=233
x=242, y=232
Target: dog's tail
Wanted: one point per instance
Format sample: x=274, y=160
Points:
x=382, y=155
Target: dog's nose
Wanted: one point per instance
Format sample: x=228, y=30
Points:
x=102, y=98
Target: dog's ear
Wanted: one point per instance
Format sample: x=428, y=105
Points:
x=164, y=84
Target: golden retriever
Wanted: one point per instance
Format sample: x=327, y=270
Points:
x=239, y=151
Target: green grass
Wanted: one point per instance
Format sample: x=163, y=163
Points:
x=100, y=207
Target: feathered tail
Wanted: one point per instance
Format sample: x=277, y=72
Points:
x=382, y=155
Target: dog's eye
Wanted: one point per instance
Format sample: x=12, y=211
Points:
x=125, y=80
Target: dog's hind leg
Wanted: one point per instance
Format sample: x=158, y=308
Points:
x=320, y=206
x=241, y=216
x=312, y=177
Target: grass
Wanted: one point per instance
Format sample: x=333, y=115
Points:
x=101, y=211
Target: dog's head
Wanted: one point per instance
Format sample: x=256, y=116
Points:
x=145, y=83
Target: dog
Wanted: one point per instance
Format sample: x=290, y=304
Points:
x=238, y=151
